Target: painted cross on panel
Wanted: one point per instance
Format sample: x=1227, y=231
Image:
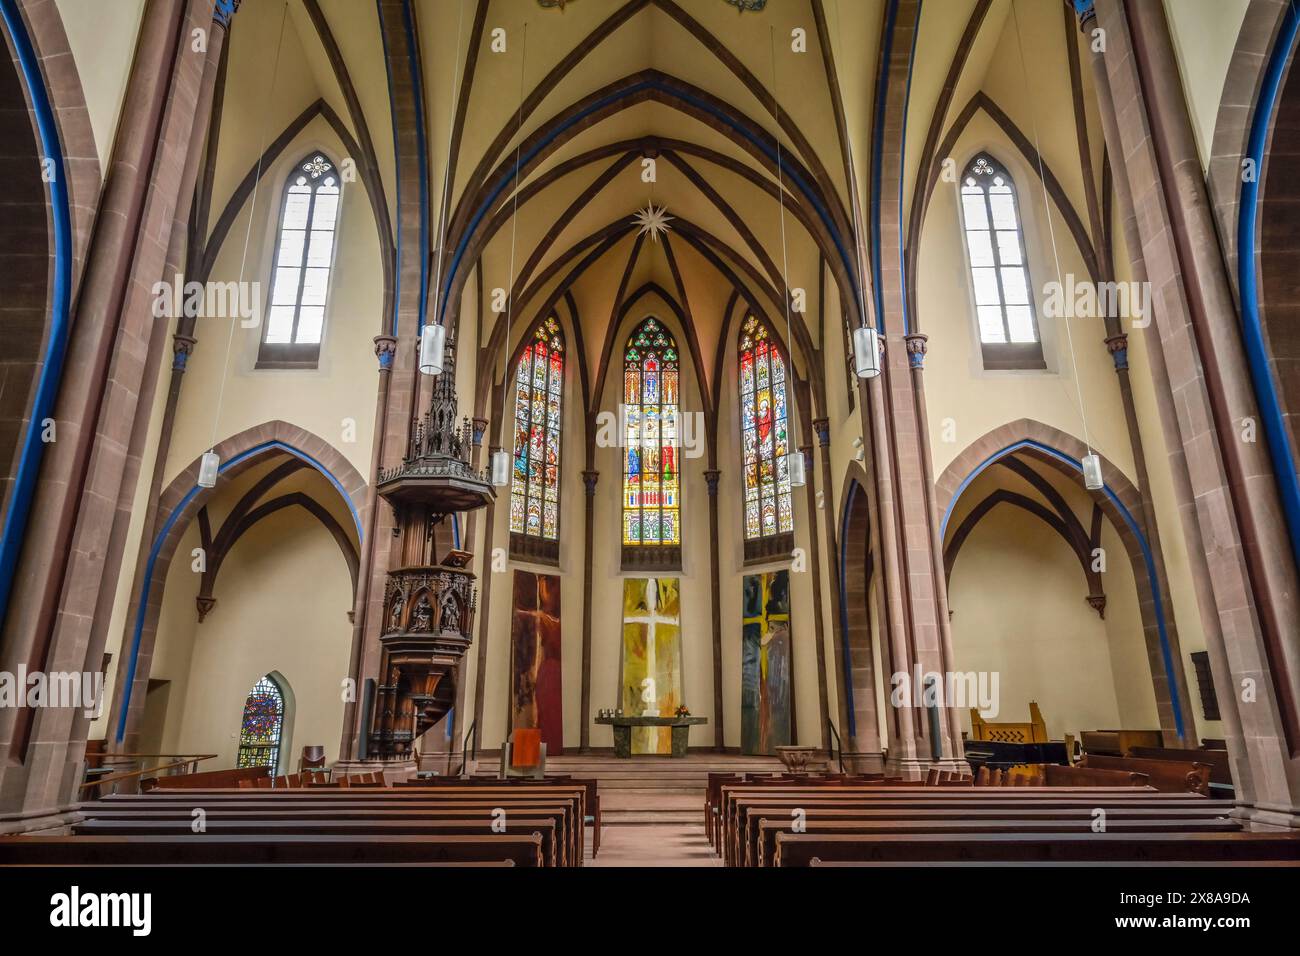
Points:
x=651, y=657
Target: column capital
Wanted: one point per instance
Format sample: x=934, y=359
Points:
x=1117, y=345
x=807, y=451
x=589, y=479
x=480, y=426
x=182, y=347
x=916, y=349
x=385, y=349
x=224, y=12
x=1085, y=11
x=822, y=426
x=711, y=476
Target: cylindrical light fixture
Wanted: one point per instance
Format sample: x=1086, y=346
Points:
x=208, y=466
x=432, y=342
x=1092, y=479
x=500, y=468
x=794, y=464
x=866, y=351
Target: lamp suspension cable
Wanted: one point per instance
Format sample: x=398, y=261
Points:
x=1091, y=464
x=866, y=337
x=794, y=457
x=210, y=463
x=501, y=458
x=433, y=334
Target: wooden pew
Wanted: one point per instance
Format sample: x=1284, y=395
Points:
x=761, y=829
x=738, y=800
x=1171, y=776
x=570, y=797
x=736, y=796
x=253, y=824
x=260, y=850
x=592, y=813
x=206, y=778
x=802, y=849
x=551, y=818
x=1220, y=768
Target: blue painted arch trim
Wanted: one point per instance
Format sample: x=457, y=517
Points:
x=657, y=85
x=23, y=491
x=142, y=604
x=1272, y=418
x=1148, y=559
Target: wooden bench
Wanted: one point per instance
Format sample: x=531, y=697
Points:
x=569, y=799
x=1220, y=768
x=760, y=841
x=253, y=824
x=736, y=799
x=260, y=850
x=1171, y=776
x=802, y=849
x=592, y=812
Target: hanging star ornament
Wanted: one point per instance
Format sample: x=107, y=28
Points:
x=653, y=221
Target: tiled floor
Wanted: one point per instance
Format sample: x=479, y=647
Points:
x=654, y=845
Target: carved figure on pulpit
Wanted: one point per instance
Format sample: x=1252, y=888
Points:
x=422, y=616
x=649, y=697
x=395, y=613
x=449, y=612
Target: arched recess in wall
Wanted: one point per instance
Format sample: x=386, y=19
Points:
x=855, y=655
x=265, y=165
x=179, y=505
x=45, y=230
x=1121, y=504
x=1032, y=159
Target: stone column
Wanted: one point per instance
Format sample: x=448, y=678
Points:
x=385, y=350
x=1228, y=505
x=77, y=535
x=711, y=478
x=815, y=569
x=589, y=479
x=917, y=345
x=822, y=428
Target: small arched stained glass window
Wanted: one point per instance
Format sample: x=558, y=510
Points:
x=262, y=725
x=539, y=393
x=651, y=479
x=995, y=249
x=304, y=256
x=764, y=433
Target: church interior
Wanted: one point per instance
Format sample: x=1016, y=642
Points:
x=644, y=415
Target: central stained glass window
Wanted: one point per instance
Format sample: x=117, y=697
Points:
x=539, y=387
x=764, y=434
x=262, y=725
x=651, y=476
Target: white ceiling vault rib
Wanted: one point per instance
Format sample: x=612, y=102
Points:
x=610, y=83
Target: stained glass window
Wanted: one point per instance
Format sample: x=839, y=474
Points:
x=259, y=732
x=995, y=251
x=764, y=433
x=651, y=480
x=539, y=388
x=304, y=254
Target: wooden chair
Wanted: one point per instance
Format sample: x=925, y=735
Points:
x=313, y=758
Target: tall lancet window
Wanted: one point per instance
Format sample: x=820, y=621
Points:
x=652, y=532
x=535, y=484
x=262, y=726
x=304, y=255
x=764, y=441
x=999, y=268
